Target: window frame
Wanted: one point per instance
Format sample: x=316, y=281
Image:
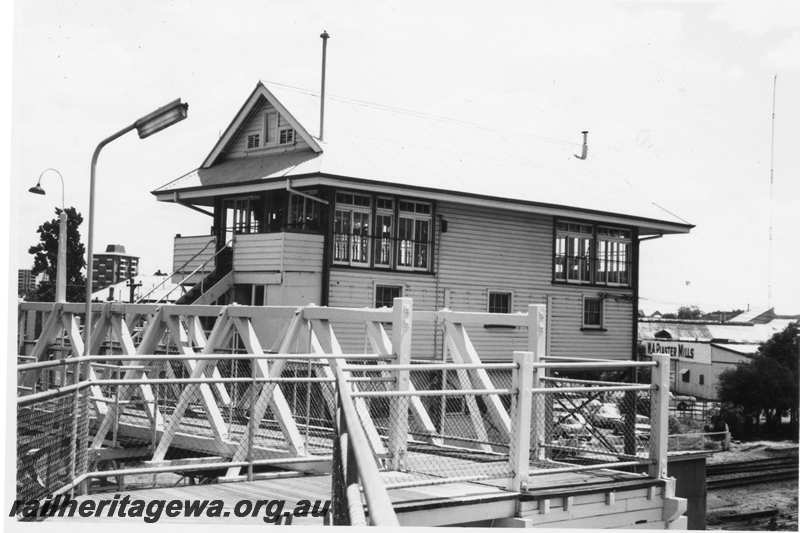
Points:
x=379, y=238
x=560, y=258
x=415, y=217
x=510, y=294
x=389, y=285
x=593, y=327
x=375, y=240
x=257, y=143
x=351, y=209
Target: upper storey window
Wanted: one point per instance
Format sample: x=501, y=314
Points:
x=382, y=232
x=414, y=235
x=351, y=228
x=591, y=254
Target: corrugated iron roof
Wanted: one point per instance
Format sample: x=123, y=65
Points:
x=742, y=349
x=727, y=333
x=377, y=143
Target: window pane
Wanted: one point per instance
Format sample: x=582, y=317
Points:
x=383, y=241
x=384, y=203
x=499, y=302
x=385, y=295
x=360, y=242
x=341, y=236
x=407, y=206
x=421, y=244
x=592, y=312
x=405, y=236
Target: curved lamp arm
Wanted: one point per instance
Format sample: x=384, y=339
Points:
x=39, y=182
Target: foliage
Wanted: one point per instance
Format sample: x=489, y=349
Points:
x=767, y=385
x=45, y=259
x=691, y=312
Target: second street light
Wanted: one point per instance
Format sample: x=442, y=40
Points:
x=61, y=257
x=160, y=119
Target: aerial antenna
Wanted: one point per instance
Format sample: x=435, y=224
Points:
x=585, y=149
x=771, y=181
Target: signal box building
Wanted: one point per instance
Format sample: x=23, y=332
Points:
x=388, y=203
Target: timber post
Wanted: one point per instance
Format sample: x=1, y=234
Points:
x=401, y=346
x=542, y=403
x=521, y=414
x=659, y=415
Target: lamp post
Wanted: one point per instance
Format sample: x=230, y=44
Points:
x=61, y=261
x=161, y=118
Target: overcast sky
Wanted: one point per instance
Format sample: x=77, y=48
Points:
x=677, y=97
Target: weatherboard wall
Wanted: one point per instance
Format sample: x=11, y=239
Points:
x=491, y=249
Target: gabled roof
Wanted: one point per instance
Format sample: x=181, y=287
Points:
x=260, y=91
x=376, y=145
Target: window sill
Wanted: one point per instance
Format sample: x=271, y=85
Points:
x=592, y=328
x=591, y=284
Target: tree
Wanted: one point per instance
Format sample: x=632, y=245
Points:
x=767, y=385
x=691, y=312
x=45, y=259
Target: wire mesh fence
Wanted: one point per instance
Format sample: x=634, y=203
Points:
x=452, y=434
x=584, y=422
x=51, y=443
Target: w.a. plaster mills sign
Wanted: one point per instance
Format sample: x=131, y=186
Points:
x=698, y=352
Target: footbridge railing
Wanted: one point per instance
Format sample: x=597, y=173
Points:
x=225, y=393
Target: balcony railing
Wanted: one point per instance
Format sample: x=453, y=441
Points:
x=592, y=270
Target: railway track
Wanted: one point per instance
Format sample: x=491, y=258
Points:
x=744, y=473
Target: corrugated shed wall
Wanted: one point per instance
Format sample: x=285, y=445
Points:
x=488, y=249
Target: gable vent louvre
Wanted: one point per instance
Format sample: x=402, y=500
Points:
x=324, y=36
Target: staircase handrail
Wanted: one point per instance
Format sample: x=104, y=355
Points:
x=202, y=265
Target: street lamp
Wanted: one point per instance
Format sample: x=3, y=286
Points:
x=61, y=261
x=161, y=118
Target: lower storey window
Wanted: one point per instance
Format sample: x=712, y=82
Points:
x=593, y=313
x=499, y=302
x=385, y=295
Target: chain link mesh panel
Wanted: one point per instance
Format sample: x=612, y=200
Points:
x=462, y=437
x=47, y=436
x=587, y=427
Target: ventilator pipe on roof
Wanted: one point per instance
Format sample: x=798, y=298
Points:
x=585, y=149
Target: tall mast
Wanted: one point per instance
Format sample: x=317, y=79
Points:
x=771, y=182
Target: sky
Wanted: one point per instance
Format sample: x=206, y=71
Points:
x=677, y=97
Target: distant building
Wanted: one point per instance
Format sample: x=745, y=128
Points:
x=25, y=281
x=700, y=350
x=761, y=316
x=113, y=266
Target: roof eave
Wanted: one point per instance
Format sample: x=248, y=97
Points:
x=654, y=226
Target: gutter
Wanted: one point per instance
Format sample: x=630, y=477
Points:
x=304, y=195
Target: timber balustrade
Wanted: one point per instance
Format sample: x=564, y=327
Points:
x=236, y=392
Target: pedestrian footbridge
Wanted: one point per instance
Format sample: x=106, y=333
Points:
x=235, y=402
